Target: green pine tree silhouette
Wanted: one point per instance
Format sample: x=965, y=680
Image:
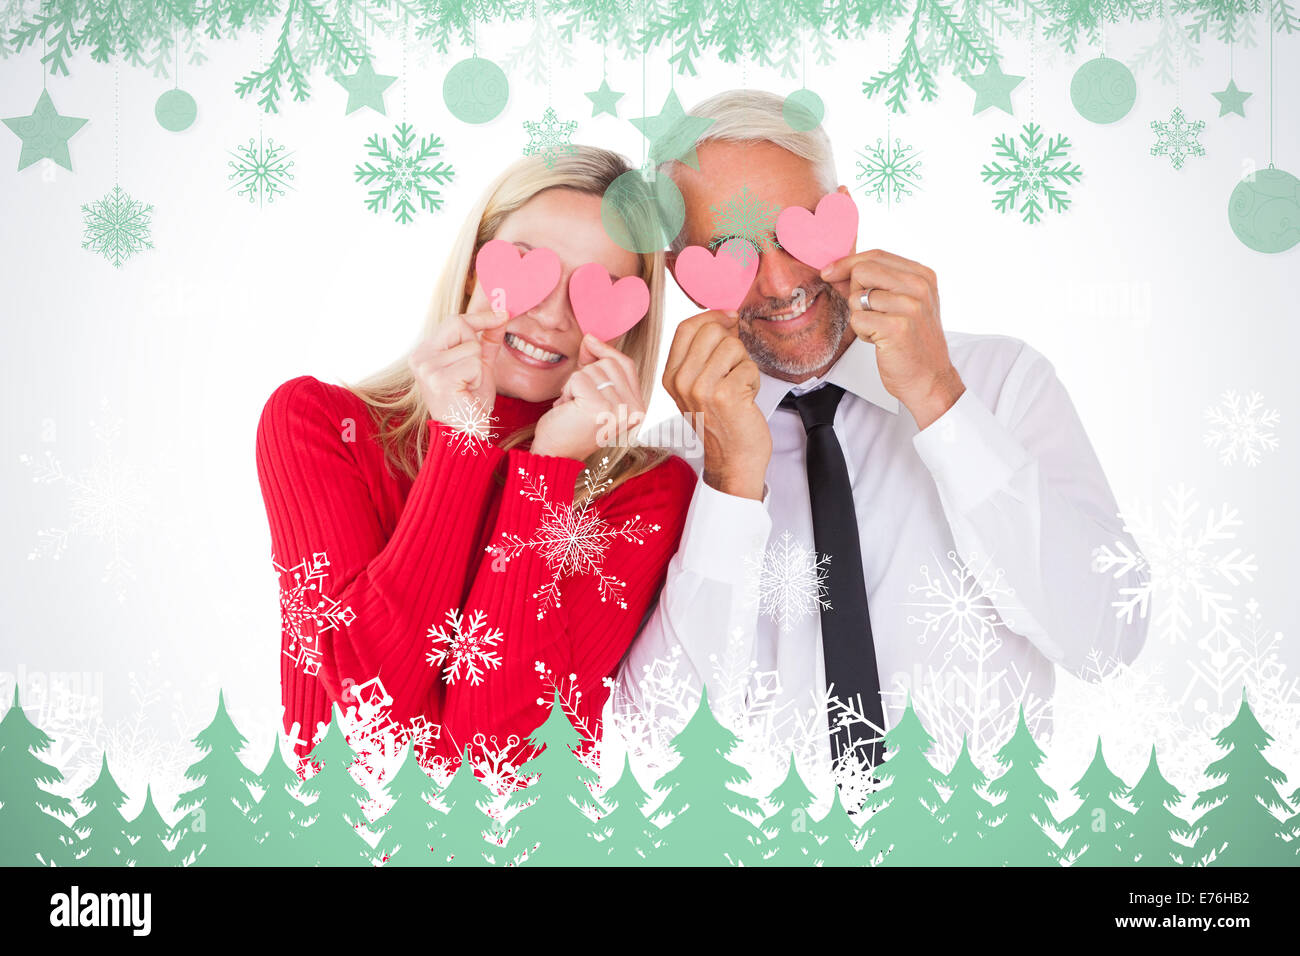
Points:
x=333, y=830
x=788, y=834
x=213, y=829
x=964, y=818
x=553, y=822
x=32, y=828
x=630, y=838
x=838, y=836
x=710, y=823
x=101, y=831
x=1239, y=827
x=1019, y=829
x=1294, y=823
x=1099, y=831
x=903, y=829
x=461, y=839
x=406, y=831
x=277, y=819
x=1154, y=824
x=149, y=834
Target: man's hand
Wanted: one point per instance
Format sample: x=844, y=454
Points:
x=903, y=325
x=714, y=383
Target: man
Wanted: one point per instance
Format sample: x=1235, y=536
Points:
x=882, y=502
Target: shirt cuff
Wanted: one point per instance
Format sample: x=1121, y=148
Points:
x=969, y=452
x=721, y=532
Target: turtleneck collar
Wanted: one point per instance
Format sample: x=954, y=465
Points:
x=512, y=414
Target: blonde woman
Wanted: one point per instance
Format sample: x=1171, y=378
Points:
x=420, y=547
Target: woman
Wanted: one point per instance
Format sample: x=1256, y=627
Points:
x=427, y=551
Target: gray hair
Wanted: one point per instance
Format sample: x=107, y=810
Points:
x=747, y=116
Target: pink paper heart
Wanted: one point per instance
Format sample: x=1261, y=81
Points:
x=718, y=280
x=819, y=238
x=522, y=282
x=603, y=307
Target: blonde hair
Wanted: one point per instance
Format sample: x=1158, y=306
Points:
x=393, y=395
x=748, y=116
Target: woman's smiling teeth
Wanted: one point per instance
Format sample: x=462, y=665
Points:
x=532, y=351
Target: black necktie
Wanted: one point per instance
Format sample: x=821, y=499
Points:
x=847, y=645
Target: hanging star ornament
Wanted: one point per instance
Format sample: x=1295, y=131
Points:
x=366, y=88
x=45, y=133
x=604, y=100
x=1232, y=100
x=672, y=133
x=993, y=87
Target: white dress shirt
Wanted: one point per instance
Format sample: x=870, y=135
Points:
x=1001, y=499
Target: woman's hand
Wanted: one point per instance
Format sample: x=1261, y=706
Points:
x=453, y=368
x=604, y=392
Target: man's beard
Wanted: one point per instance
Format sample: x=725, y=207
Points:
x=815, y=347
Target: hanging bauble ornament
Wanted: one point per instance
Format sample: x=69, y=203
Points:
x=475, y=90
x=1103, y=90
x=175, y=110
x=642, y=215
x=1264, y=210
x=803, y=110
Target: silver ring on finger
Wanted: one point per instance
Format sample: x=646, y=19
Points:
x=864, y=300
x=605, y=384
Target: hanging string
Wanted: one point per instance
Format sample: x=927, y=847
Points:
x=116, y=121
x=644, y=140
x=1271, y=104
x=1033, y=77
x=45, y=51
x=403, y=69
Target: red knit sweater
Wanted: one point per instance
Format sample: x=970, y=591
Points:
x=402, y=554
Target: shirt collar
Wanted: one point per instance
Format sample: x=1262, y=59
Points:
x=856, y=372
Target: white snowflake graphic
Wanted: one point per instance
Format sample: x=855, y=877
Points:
x=306, y=611
x=467, y=644
x=471, y=426
x=549, y=137
x=260, y=170
x=404, y=174
x=889, y=171
x=117, y=226
x=650, y=711
x=105, y=503
x=958, y=602
x=1186, y=565
x=1177, y=138
x=1240, y=428
x=1131, y=708
x=787, y=581
x=1250, y=657
x=380, y=742
x=966, y=612
x=573, y=539
x=1033, y=172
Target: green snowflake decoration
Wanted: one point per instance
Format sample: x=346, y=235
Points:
x=745, y=216
x=260, y=170
x=888, y=171
x=117, y=227
x=549, y=137
x=1032, y=172
x=1177, y=138
x=404, y=173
